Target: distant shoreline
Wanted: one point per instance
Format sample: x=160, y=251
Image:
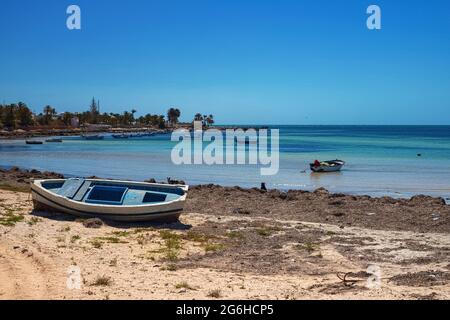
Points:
x=37, y=133
x=13, y=135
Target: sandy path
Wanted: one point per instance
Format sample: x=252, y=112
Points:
x=22, y=276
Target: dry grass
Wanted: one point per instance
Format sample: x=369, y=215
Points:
x=184, y=285
x=234, y=234
x=266, y=231
x=15, y=187
x=172, y=245
x=121, y=233
x=96, y=244
x=34, y=220
x=169, y=267
x=10, y=218
x=102, y=281
x=75, y=238
x=213, y=247
x=197, y=237
x=110, y=240
x=310, y=247
x=216, y=293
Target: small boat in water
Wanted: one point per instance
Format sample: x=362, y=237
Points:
x=54, y=140
x=110, y=199
x=93, y=137
x=327, y=166
x=120, y=136
x=33, y=142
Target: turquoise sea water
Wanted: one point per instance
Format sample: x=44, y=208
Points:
x=381, y=160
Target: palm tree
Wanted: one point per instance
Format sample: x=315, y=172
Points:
x=133, y=111
x=49, y=112
x=173, y=114
x=210, y=120
x=24, y=115
x=198, y=117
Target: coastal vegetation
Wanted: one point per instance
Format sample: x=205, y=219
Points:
x=19, y=116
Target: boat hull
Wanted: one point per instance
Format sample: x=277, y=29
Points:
x=326, y=169
x=333, y=166
x=44, y=200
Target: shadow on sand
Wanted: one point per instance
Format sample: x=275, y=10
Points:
x=176, y=225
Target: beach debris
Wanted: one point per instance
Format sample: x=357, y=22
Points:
x=338, y=214
x=172, y=181
x=422, y=199
x=435, y=216
x=337, y=195
x=93, y=223
x=321, y=190
x=263, y=186
x=422, y=278
x=371, y=213
x=336, y=203
x=357, y=277
x=282, y=195
x=240, y=211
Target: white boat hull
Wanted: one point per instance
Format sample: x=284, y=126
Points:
x=46, y=200
x=328, y=166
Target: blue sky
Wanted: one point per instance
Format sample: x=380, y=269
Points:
x=247, y=61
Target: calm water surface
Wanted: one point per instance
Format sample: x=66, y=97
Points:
x=381, y=160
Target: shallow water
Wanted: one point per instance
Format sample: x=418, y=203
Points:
x=381, y=160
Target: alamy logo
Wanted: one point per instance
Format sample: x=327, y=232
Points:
x=74, y=278
x=73, y=22
x=191, y=150
x=374, y=20
x=374, y=280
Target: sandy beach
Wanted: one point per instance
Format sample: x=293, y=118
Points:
x=231, y=243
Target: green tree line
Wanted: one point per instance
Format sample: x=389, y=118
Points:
x=19, y=115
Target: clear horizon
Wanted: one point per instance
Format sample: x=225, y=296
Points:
x=258, y=62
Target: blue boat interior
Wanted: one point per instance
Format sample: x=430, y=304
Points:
x=112, y=193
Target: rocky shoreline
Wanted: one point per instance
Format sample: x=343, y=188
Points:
x=419, y=214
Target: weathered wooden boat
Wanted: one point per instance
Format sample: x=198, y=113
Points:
x=327, y=166
x=54, y=140
x=33, y=142
x=110, y=199
x=93, y=137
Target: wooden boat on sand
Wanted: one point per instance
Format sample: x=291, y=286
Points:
x=110, y=199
